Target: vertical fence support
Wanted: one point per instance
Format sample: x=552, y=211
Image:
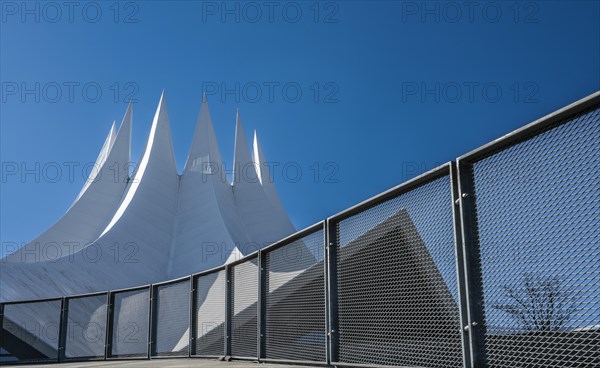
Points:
x=2, y=336
x=62, y=329
x=262, y=304
x=228, y=310
x=460, y=265
x=193, y=306
x=475, y=326
x=151, y=327
x=326, y=288
x=332, y=290
x=109, y=325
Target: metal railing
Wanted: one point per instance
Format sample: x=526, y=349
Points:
x=489, y=261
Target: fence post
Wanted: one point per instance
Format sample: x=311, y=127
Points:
x=62, y=329
x=460, y=266
x=151, y=312
x=228, y=310
x=332, y=296
x=109, y=325
x=262, y=304
x=2, y=322
x=193, y=306
x=473, y=300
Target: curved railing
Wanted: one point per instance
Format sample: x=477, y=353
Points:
x=430, y=273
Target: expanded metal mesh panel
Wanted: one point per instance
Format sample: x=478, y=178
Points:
x=130, y=323
x=244, y=299
x=210, y=314
x=86, y=327
x=30, y=331
x=172, y=319
x=538, y=213
x=295, y=300
x=397, y=288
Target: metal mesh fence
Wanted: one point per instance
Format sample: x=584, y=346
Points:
x=295, y=300
x=130, y=323
x=30, y=331
x=210, y=314
x=86, y=327
x=529, y=273
x=172, y=317
x=397, y=288
x=244, y=300
x=538, y=215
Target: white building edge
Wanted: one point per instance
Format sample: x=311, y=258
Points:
x=156, y=225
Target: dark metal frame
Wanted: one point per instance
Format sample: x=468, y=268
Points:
x=65, y=323
x=466, y=200
x=228, y=309
x=154, y=317
x=322, y=225
x=110, y=328
x=229, y=306
x=193, y=304
x=62, y=334
x=460, y=266
x=466, y=251
x=262, y=305
x=536, y=127
x=192, y=328
x=331, y=289
x=31, y=301
x=444, y=170
x=472, y=296
x=109, y=325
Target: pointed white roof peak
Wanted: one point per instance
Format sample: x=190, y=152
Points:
x=102, y=157
x=257, y=158
x=268, y=186
x=97, y=201
x=243, y=164
x=157, y=161
x=123, y=138
x=204, y=149
x=113, y=129
x=116, y=151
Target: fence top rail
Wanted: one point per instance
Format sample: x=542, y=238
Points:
x=172, y=281
x=209, y=271
x=534, y=127
x=293, y=237
x=245, y=258
x=29, y=301
x=135, y=288
x=86, y=295
x=407, y=186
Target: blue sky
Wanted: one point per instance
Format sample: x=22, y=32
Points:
x=366, y=94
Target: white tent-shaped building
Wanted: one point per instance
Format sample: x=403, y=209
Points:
x=156, y=224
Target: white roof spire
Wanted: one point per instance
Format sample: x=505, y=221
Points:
x=158, y=160
x=261, y=222
x=243, y=165
x=268, y=185
x=204, y=150
x=167, y=221
x=96, y=203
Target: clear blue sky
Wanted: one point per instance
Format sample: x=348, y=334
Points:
x=402, y=87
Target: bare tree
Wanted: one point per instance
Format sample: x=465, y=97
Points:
x=540, y=303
